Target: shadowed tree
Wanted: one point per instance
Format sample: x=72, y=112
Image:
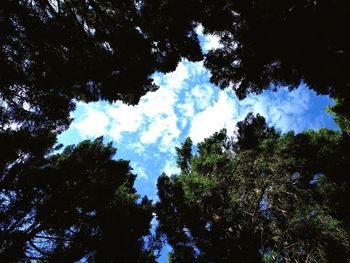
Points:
x=266, y=44
x=54, y=51
x=171, y=25
x=79, y=204
x=259, y=196
x=281, y=42
x=184, y=154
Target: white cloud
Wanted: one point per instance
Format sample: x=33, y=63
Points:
x=297, y=103
x=210, y=42
x=93, y=124
x=124, y=118
x=137, y=147
x=139, y=171
x=197, y=68
x=186, y=109
x=161, y=127
x=156, y=103
x=199, y=29
x=284, y=110
x=221, y=114
x=160, y=117
x=170, y=167
x=202, y=95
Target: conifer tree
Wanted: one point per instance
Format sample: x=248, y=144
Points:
x=259, y=196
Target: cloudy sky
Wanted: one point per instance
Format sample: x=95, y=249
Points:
x=186, y=104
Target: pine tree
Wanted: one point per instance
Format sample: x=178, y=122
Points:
x=79, y=204
x=259, y=196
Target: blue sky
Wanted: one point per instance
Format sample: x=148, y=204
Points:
x=186, y=104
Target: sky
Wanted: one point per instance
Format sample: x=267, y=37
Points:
x=187, y=105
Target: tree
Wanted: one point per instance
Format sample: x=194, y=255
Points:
x=341, y=113
x=51, y=54
x=274, y=200
x=56, y=51
x=265, y=43
x=268, y=44
x=79, y=204
x=184, y=154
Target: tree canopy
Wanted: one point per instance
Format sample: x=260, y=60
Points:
x=282, y=42
x=59, y=50
x=259, y=196
x=74, y=205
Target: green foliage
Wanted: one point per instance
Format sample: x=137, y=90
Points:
x=270, y=257
x=77, y=204
x=184, y=155
x=261, y=45
x=258, y=196
x=196, y=187
x=341, y=112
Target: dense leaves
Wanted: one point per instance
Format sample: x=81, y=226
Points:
x=268, y=44
x=78, y=204
x=259, y=196
x=74, y=205
x=282, y=42
x=54, y=51
x=265, y=44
